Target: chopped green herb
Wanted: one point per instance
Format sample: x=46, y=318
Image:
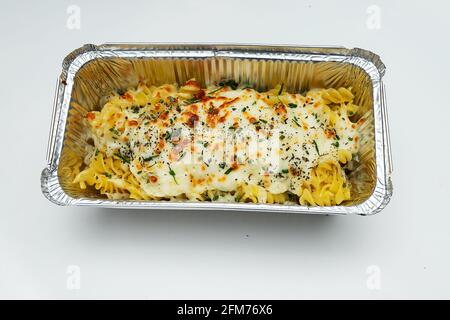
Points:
x=285, y=171
x=222, y=165
x=338, y=138
x=172, y=173
x=123, y=158
x=96, y=152
x=317, y=148
x=214, y=91
x=263, y=121
x=206, y=144
x=336, y=144
x=167, y=135
x=228, y=170
x=282, y=137
x=292, y=105
x=108, y=175
x=245, y=108
x=135, y=109
x=192, y=100
x=350, y=139
x=216, y=197
x=114, y=130
x=230, y=83
x=150, y=158
x=296, y=122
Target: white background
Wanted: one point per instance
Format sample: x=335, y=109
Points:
x=147, y=254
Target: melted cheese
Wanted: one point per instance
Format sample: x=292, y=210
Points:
x=191, y=140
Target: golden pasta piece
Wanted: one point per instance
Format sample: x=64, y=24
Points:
x=351, y=109
x=344, y=156
x=141, y=98
x=72, y=166
x=328, y=186
x=341, y=95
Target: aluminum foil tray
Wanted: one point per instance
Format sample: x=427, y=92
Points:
x=91, y=72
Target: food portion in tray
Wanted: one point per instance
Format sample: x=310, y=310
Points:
x=227, y=142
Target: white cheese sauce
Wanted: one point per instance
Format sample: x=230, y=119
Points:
x=233, y=137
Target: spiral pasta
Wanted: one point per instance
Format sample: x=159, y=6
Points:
x=226, y=143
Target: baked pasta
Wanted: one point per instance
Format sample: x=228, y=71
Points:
x=226, y=143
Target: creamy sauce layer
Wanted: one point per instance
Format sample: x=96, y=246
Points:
x=224, y=138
